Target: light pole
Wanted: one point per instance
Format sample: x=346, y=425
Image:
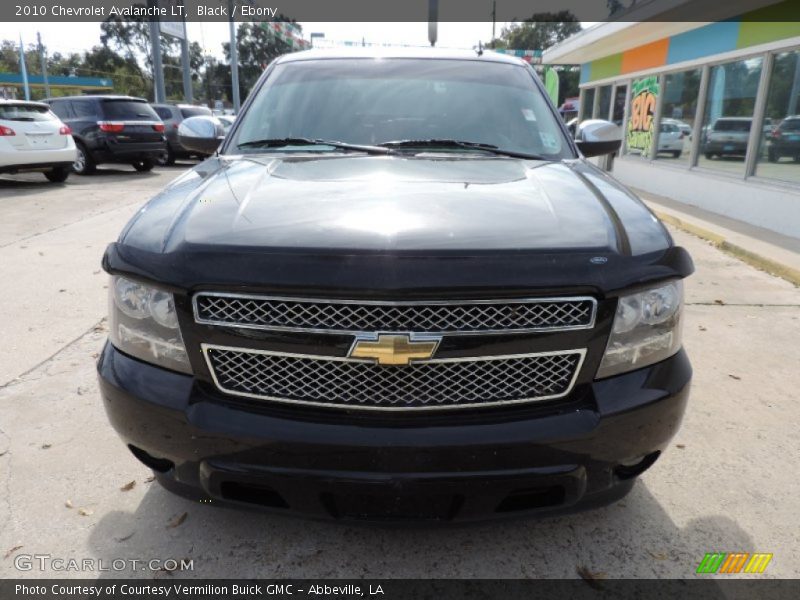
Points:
x=209, y=85
x=159, y=94
x=187, y=77
x=43, y=59
x=234, y=60
x=433, y=21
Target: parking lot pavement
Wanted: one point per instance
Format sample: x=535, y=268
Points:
x=51, y=240
x=728, y=482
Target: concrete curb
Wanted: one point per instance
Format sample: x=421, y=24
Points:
x=781, y=270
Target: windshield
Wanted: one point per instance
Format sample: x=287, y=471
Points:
x=723, y=125
x=25, y=112
x=372, y=102
x=129, y=110
x=195, y=111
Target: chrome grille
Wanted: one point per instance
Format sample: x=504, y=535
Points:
x=346, y=316
x=432, y=384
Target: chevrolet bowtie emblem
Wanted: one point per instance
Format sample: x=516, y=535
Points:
x=394, y=349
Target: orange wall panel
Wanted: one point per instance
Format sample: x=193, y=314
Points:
x=648, y=56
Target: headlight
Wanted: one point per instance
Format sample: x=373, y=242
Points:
x=143, y=323
x=647, y=329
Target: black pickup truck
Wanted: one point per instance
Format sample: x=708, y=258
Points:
x=397, y=291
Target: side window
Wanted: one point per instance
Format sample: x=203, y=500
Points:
x=729, y=107
x=61, y=109
x=163, y=112
x=83, y=108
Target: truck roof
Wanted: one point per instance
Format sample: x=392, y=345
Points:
x=395, y=52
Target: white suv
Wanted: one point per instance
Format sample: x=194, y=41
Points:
x=32, y=138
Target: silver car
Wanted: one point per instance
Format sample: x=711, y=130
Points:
x=172, y=115
x=670, y=138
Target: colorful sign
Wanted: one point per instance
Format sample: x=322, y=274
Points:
x=288, y=33
x=551, y=83
x=733, y=562
x=530, y=56
x=641, y=124
x=768, y=24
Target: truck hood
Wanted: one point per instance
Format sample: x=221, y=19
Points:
x=390, y=204
x=388, y=223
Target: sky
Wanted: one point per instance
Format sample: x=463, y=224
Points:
x=77, y=37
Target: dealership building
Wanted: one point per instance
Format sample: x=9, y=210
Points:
x=710, y=112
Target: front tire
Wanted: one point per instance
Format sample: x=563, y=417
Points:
x=710, y=155
x=57, y=175
x=772, y=156
x=84, y=163
x=143, y=165
x=676, y=154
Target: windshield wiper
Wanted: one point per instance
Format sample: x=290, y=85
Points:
x=445, y=143
x=282, y=142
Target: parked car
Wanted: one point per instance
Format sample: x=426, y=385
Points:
x=397, y=291
x=727, y=137
x=33, y=139
x=172, y=115
x=785, y=140
x=227, y=122
x=682, y=125
x=670, y=138
x=111, y=129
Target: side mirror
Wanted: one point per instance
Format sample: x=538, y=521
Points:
x=201, y=134
x=596, y=137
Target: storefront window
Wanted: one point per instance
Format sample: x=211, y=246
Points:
x=677, y=115
x=618, y=113
x=779, y=155
x=728, y=115
x=587, y=103
x=604, y=102
x=640, y=128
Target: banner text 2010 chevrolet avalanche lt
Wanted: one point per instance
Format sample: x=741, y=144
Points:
x=398, y=291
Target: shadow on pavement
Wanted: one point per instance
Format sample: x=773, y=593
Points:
x=633, y=538
x=35, y=183
x=18, y=186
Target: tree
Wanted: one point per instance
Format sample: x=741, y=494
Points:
x=9, y=57
x=102, y=61
x=614, y=7
x=215, y=83
x=130, y=37
x=539, y=32
x=569, y=79
x=257, y=47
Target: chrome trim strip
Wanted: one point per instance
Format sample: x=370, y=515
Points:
x=207, y=347
x=130, y=122
x=200, y=321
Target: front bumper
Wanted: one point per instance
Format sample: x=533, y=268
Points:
x=473, y=466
